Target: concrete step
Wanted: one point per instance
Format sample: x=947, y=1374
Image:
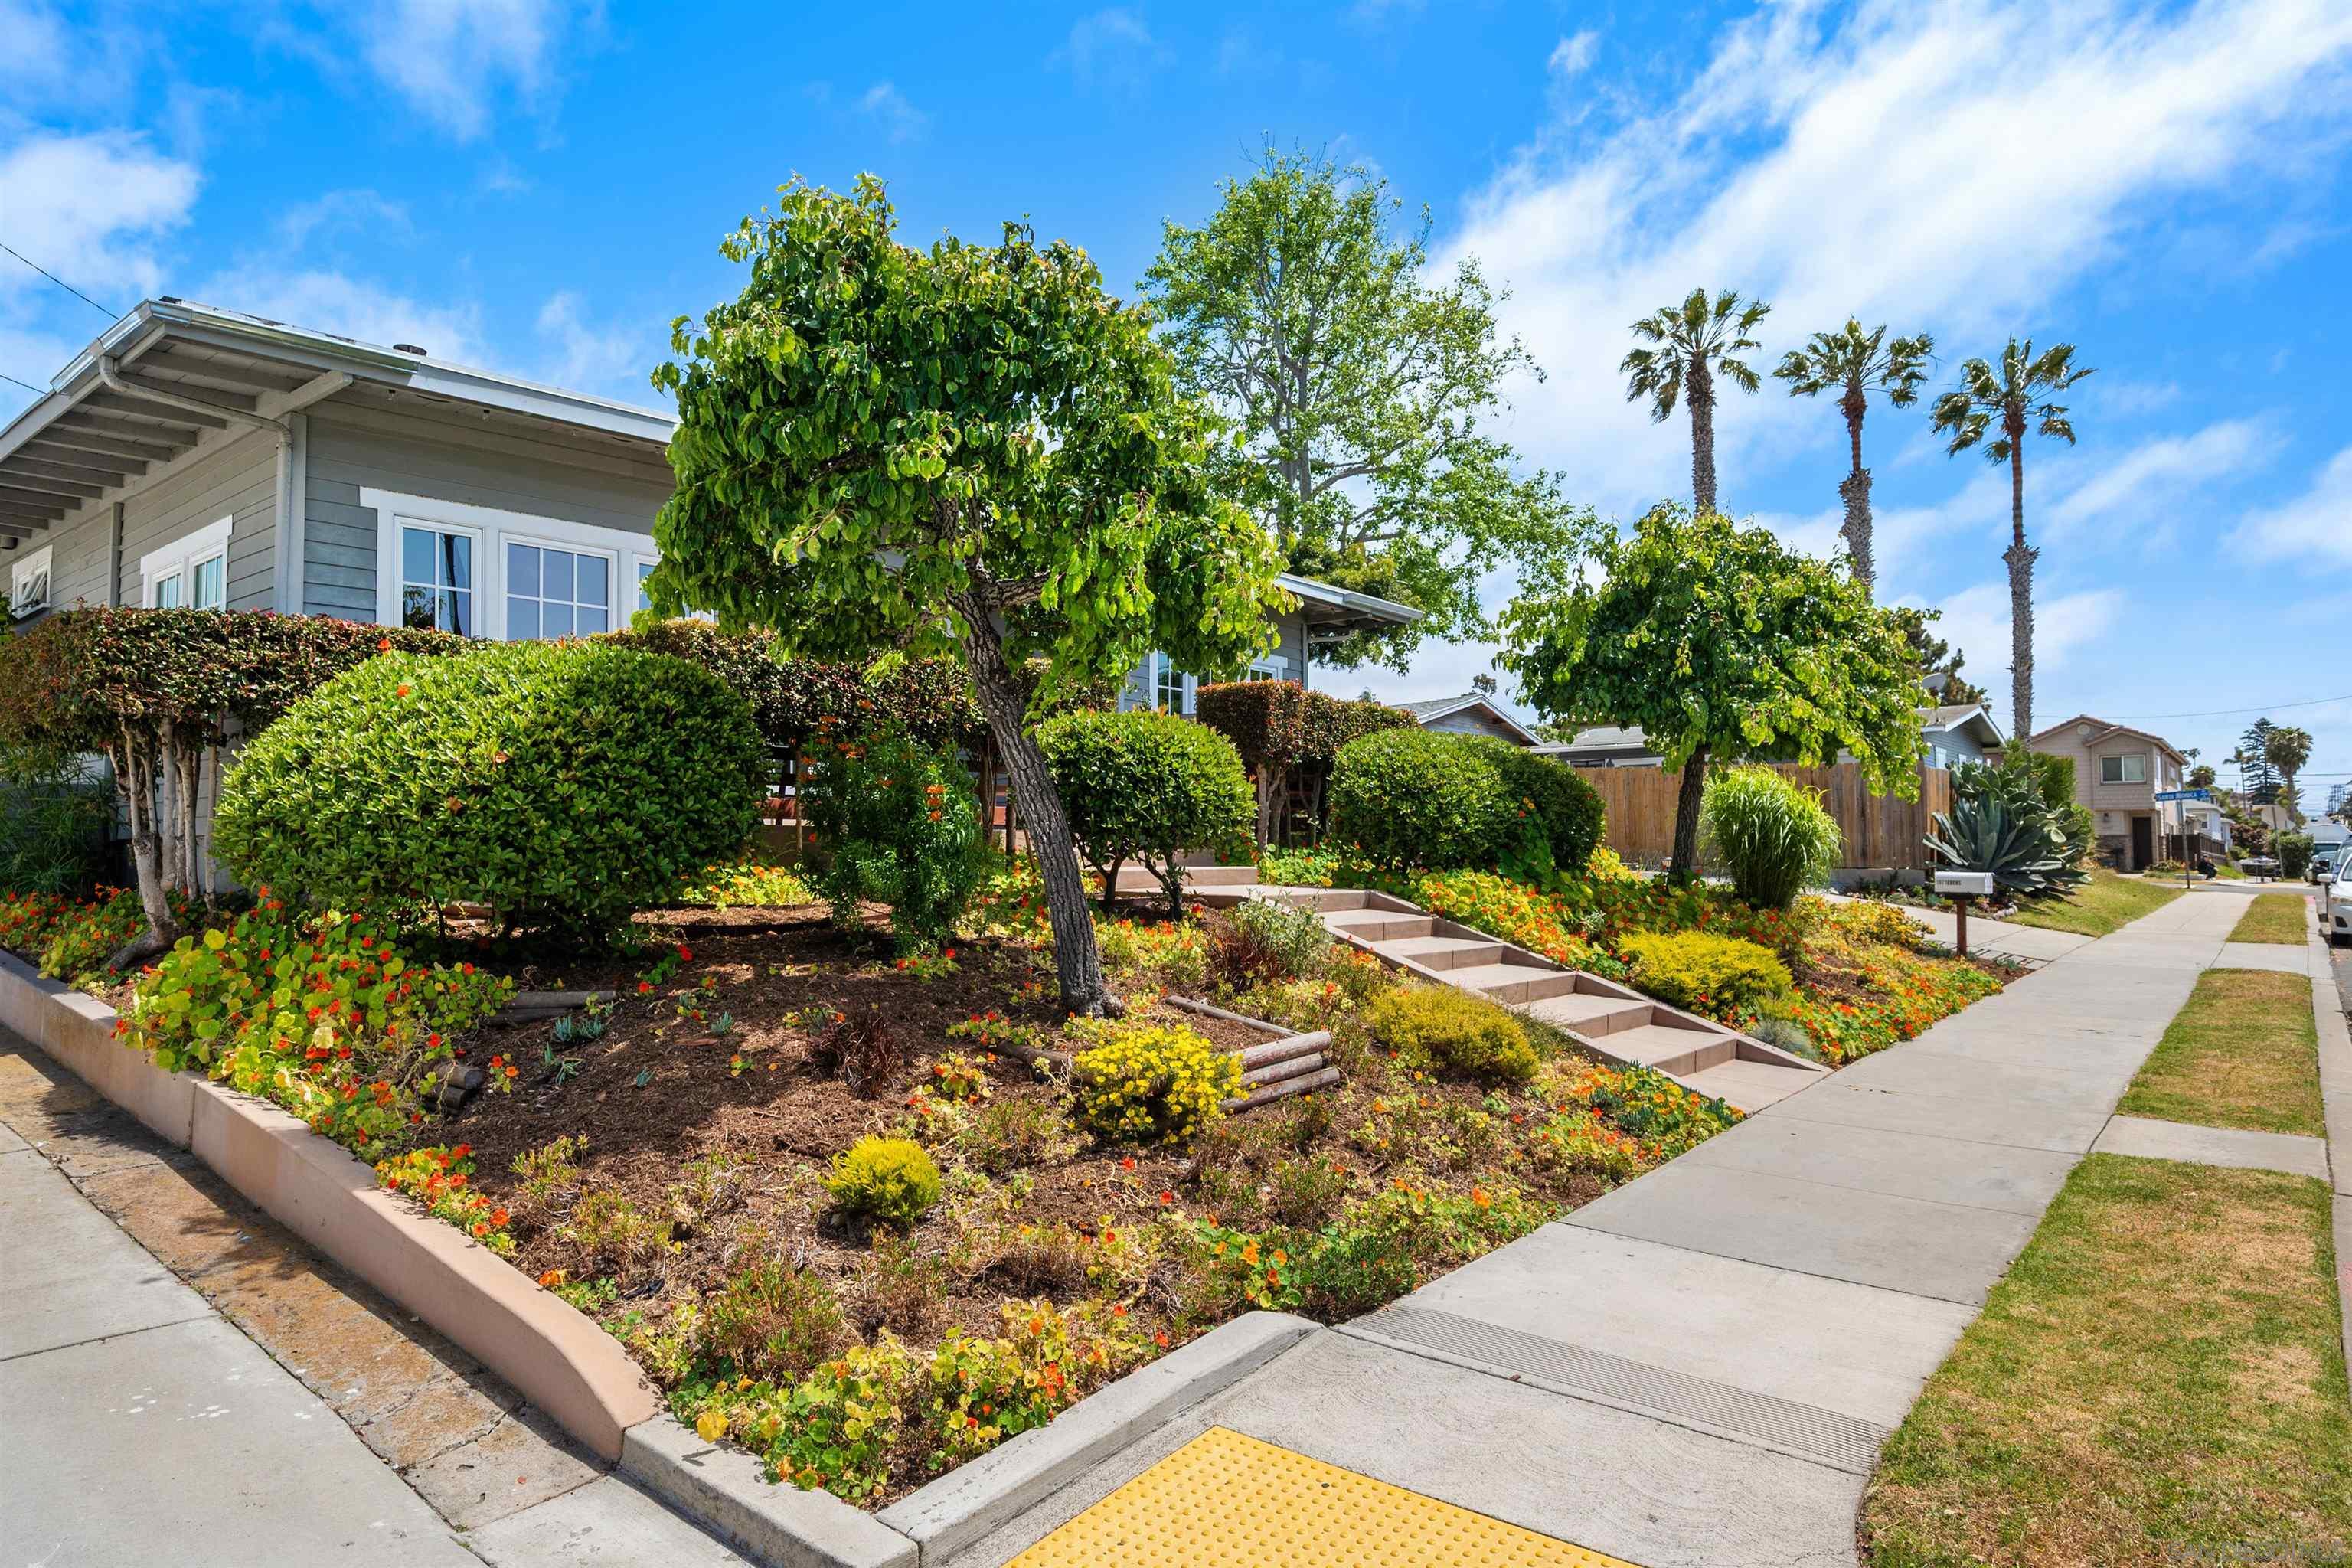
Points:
x=1445, y=953
x=1591, y=1012
x=1517, y=981
x=1751, y=1086
x=1135, y=880
x=1669, y=1048
x=1378, y=925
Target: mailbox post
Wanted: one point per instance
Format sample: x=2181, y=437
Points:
x=1962, y=888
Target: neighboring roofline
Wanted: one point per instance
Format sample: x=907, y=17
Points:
x=153, y=320
x=1475, y=701
x=1969, y=711
x=1315, y=592
x=2109, y=729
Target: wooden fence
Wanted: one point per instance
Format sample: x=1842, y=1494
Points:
x=1882, y=832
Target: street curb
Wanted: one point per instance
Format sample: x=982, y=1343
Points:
x=778, y=1523
x=967, y=1503
x=560, y=1360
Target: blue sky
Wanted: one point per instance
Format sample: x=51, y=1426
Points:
x=540, y=187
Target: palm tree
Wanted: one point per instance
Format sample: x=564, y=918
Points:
x=2290, y=749
x=1855, y=363
x=1696, y=341
x=2015, y=394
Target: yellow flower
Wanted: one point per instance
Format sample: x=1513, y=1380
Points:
x=710, y=1425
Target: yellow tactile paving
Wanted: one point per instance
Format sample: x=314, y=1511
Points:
x=1227, y=1500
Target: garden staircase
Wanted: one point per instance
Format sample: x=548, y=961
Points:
x=1613, y=1021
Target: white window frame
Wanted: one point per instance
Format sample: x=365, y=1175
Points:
x=181, y=558
x=398, y=571
x=1189, y=694
x=33, y=566
x=493, y=529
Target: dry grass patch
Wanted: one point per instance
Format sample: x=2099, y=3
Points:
x=2159, y=1381
x=2273, y=918
x=2243, y=1052
x=2104, y=904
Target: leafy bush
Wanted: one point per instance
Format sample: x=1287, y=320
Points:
x=1408, y=798
x=1165, y=956
x=1540, y=923
x=560, y=784
x=1148, y=1084
x=899, y=819
x=1288, y=735
x=1772, y=835
x=1666, y=1117
x=1390, y=1244
x=2295, y=852
x=1263, y=942
x=53, y=816
x=1007, y=1134
x=886, y=1179
x=1440, y=1027
x=1709, y=973
x=82, y=943
x=770, y=1319
x=1147, y=787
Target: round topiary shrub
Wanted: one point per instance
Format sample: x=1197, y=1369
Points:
x=560, y=784
x=1774, y=836
x=1147, y=787
x=889, y=1180
x=1421, y=799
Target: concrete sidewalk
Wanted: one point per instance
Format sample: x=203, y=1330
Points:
x=1697, y=1371
x=212, y=1393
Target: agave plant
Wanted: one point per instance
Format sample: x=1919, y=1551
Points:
x=2025, y=845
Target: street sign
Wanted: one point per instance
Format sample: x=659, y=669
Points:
x=2184, y=794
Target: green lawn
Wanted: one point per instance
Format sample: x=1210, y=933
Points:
x=2158, y=1381
x=2105, y=903
x=2274, y=917
x=2243, y=1052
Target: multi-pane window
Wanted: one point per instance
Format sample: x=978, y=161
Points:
x=437, y=579
x=1171, y=689
x=645, y=573
x=189, y=572
x=2129, y=768
x=208, y=584
x=557, y=593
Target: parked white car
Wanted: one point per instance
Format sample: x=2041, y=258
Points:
x=2335, y=906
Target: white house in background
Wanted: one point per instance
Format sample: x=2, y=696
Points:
x=2205, y=820
x=1471, y=713
x=1324, y=615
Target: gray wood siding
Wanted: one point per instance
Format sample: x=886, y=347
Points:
x=429, y=450
x=237, y=479
x=77, y=545
x=1472, y=723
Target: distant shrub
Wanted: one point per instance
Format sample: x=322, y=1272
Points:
x=890, y=1180
x=1773, y=836
x=2294, y=851
x=1263, y=942
x=1148, y=1084
x=1418, y=798
x=1567, y=811
x=771, y=1320
x=1449, y=1029
x=560, y=784
x=53, y=816
x=1709, y=973
x=1147, y=787
x=902, y=826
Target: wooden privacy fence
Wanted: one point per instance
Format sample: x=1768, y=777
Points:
x=1881, y=832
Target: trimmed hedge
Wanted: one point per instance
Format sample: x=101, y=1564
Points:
x=1423, y=799
x=1147, y=787
x=560, y=784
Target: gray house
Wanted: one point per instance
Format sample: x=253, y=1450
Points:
x=1471, y=714
x=196, y=457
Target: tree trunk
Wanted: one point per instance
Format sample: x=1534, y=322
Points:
x=1078, y=964
x=1854, y=489
x=1264, y=783
x=134, y=775
x=2020, y=600
x=1684, y=867
x=1698, y=393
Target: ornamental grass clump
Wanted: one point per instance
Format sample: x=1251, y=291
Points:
x=1774, y=836
x=1152, y=1084
x=1438, y=1027
x=890, y=1181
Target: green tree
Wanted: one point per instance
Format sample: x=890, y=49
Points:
x=1854, y=363
x=2002, y=403
x=1935, y=656
x=884, y=452
x=1359, y=388
x=1720, y=642
x=2258, y=774
x=1696, y=341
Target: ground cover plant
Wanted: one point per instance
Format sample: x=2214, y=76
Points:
x=2101, y=906
x=2243, y=1051
x=2158, y=1380
x=2273, y=918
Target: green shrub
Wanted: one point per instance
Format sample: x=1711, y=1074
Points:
x=772, y=1320
x=1773, y=836
x=1418, y=798
x=1147, y=787
x=2294, y=851
x=901, y=824
x=886, y=1179
x=560, y=784
x=1709, y=973
x=1442, y=1027
x=53, y=816
x=1263, y=942
x=1147, y=1084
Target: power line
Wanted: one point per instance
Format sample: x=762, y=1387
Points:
x=2226, y=713
x=60, y=282
x=26, y=385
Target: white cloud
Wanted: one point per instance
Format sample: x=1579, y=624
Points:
x=1572, y=55
x=588, y=358
x=36, y=54
x=90, y=208
x=1112, y=49
x=1976, y=622
x=2145, y=488
x=900, y=122
x=453, y=59
x=1931, y=164
x=367, y=212
x=2314, y=527
x=331, y=301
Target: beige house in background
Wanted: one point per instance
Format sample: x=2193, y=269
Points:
x=2118, y=773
